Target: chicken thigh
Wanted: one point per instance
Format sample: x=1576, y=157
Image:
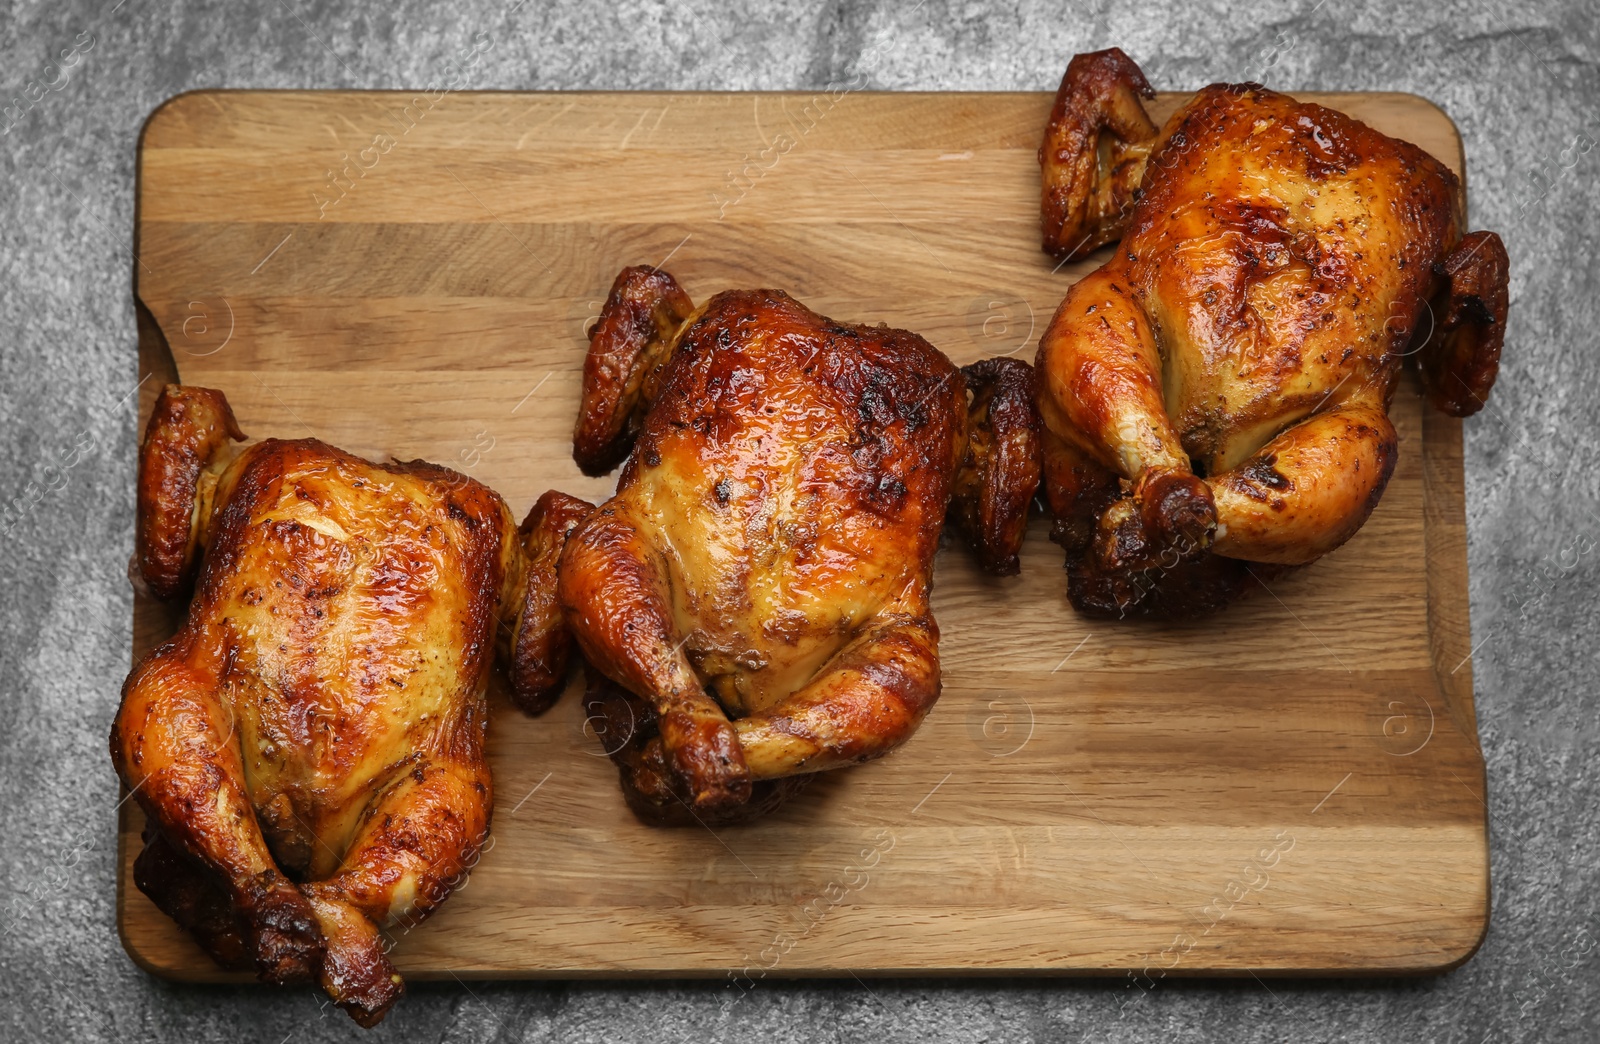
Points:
x=309, y=747
x=754, y=598
x=1215, y=396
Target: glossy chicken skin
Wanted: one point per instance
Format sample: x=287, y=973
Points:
x=1217, y=393
x=309, y=747
x=757, y=590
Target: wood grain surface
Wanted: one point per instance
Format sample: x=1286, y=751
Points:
x=1294, y=785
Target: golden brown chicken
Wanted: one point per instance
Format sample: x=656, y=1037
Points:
x=1217, y=393
x=754, y=599
x=309, y=747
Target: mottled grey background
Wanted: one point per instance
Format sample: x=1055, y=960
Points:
x=1521, y=81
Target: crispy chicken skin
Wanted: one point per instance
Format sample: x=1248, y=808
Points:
x=309, y=747
x=1215, y=396
x=754, y=598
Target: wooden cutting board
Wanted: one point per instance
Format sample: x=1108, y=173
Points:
x=1294, y=785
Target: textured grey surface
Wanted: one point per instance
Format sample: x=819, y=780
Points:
x=1522, y=80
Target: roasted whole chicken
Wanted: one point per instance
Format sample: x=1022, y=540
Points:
x=309, y=747
x=753, y=601
x=1215, y=396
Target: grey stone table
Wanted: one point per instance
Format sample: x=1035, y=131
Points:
x=1522, y=81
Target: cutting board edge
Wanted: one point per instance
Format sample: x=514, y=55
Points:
x=1458, y=953
x=167, y=106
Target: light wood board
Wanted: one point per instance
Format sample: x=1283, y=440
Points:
x=1086, y=797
